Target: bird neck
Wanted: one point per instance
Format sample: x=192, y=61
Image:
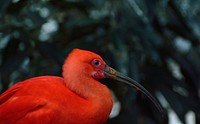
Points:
x=88, y=88
x=97, y=94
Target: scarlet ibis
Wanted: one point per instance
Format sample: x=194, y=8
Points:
x=77, y=98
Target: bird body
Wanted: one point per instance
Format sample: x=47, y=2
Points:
x=50, y=102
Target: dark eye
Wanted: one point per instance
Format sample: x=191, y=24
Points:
x=96, y=62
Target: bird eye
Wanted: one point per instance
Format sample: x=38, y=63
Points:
x=96, y=62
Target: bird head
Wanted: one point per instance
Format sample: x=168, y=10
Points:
x=93, y=66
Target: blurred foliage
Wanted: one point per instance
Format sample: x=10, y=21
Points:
x=155, y=42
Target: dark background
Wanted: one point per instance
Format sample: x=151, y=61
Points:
x=155, y=42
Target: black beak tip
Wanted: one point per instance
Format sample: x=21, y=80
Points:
x=113, y=74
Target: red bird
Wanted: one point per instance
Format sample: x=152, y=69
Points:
x=77, y=98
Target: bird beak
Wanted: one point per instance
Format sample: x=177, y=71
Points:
x=113, y=74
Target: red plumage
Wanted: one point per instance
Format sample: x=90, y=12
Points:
x=49, y=100
x=77, y=98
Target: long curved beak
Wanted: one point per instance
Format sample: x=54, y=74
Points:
x=113, y=74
